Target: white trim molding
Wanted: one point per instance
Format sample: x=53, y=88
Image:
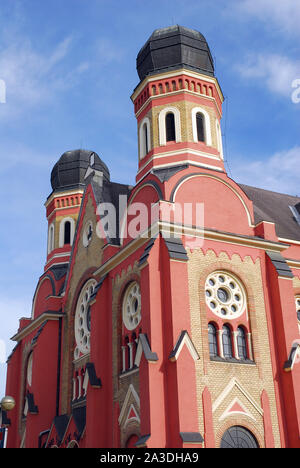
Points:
x=130, y=392
x=207, y=126
x=143, y=151
x=219, y=139
x=50, y=238
x=62, y=231
x=162, y=125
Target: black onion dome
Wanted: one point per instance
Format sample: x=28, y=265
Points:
x=175, y=47
x=70, y=169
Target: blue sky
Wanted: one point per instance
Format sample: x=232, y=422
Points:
x=69, y=70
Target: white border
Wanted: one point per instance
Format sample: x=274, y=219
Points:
x=162, y=125
x=207, y=126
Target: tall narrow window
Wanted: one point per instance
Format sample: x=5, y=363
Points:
x=200, y=127
x=146, y=143
x=67, y=234
x=241, y=343
x=227, y=344
x=212, y=340
x=51, y=239
x=170, y=127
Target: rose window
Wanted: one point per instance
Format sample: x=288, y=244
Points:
x=83, y=319
x=132, y=307
x=224, y=295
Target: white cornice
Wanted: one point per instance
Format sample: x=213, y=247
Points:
x=36, y=323
x=164, y=227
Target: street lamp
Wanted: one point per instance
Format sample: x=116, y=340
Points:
x=7, y=404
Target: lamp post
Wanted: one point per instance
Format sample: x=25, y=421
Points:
x=7, y=404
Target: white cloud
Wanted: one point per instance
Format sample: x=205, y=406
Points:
x=276, y=72
x=34, y=77
x=108, y=51
x=283, y=14
x=279, y=173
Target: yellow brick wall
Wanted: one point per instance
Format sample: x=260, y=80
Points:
x=57, y=227
x=121, y=385
x=217, y=375
x=185, y=108
x=86, y=258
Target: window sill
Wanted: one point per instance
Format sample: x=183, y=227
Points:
x=233, y=361
x=128, y=372
x=79, y=402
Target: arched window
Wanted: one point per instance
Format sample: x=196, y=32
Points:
x=67, y=234
x=227, y=343
x=144, y=138
x=212, y=340
x=239, y=437
x=241, y=344
x=51, y=238
x=219, y=139
x=146, y=143
x=170, y=127
x=200, y=127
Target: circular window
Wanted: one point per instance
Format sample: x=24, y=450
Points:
x=225, y=295
x=132, y=307
x=87, y=234
x=297, y=300
x=238, y=437
x=83, y=319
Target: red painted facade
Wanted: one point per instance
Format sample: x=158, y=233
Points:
x=141, y=385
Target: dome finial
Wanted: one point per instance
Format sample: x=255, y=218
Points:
x=172, y=48
x=70, y=170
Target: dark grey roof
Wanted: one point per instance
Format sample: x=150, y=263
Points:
x=110, y=193
x=172, y=48
x=191, y=437
x=275, y=207
x=59, y=271
x=61, y=422
x=70, y=169
x=79, y=415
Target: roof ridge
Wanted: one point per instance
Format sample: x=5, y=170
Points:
x=270, y=191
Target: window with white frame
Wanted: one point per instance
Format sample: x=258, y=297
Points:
x=201, y=126
x=66, y=232
x=219, y=139
x=144, y=137
x=51, y=238
x=169, y=125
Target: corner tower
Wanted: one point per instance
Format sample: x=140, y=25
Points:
x=178, y=102
x=63, y=204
